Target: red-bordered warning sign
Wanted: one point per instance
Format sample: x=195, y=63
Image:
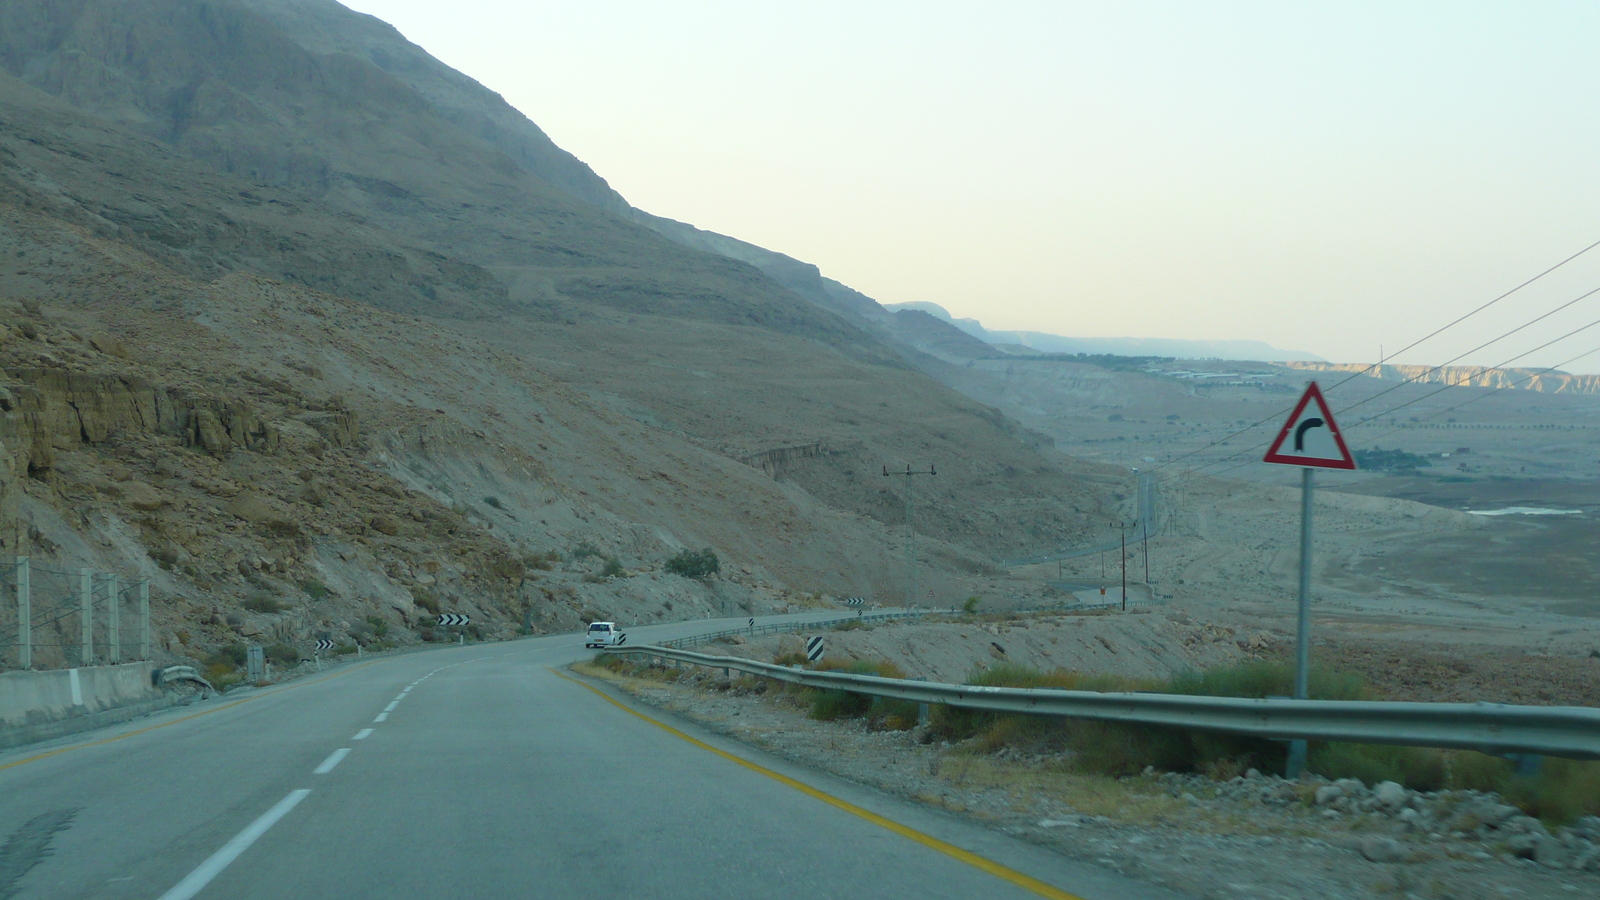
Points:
x=1310, y=437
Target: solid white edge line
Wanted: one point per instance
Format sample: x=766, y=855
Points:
x=333, y=759
x=382, y=717
x=362, y=734
x=391, y=706
x=212, y=867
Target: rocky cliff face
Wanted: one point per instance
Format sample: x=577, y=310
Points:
x=1544, y=381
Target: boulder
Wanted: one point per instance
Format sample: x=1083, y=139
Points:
x=1382, y=850
x=1390, y=795
x=142, y=496
x=1327, y=794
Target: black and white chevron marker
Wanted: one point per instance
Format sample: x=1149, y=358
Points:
x=855, y=601
x=621, y=639
x=752, y=622
x=453, y=619
x=814, y=648
x=324, y=644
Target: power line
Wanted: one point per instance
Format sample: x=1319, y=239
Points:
x=1497, y=390
x=1497, y=340
x=1398, y=406
x=1429, y=336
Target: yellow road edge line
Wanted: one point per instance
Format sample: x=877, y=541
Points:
x=1005, y=873
x=112, y=740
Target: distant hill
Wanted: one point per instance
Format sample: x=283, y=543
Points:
x=1545, y=381
x=1119, y=346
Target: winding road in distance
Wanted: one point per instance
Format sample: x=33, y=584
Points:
x=478, y=772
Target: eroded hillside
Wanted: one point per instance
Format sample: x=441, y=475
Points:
x=307, y=407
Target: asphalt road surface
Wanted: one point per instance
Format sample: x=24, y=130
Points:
x=477, y=772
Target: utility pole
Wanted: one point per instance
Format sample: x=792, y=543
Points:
x=1145, y=527
x=1123, y=531
x=911, y=532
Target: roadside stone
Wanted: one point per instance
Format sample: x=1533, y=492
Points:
x=1552, y=853
x=1390, y=795
x=1328, y=794
x=1382, y=850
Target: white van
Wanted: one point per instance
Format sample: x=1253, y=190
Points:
x=603, y=634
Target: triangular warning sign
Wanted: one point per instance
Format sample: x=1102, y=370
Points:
x=1310, y=437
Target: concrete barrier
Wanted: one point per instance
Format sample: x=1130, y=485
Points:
x=37, y=706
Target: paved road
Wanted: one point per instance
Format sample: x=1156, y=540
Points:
x=474, y=772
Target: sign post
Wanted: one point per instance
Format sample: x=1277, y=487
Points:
x=1311, y=440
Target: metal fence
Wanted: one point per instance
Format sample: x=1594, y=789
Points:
x=62, y=617
x=1566, y=731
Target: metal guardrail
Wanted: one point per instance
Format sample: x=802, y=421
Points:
x=781, y=627
x=178, y=673
x=1566, y=731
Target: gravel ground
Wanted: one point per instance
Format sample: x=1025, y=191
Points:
x=1253, y=837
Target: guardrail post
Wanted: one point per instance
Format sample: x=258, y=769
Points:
x=114, y=617
x=144, y=618
x=24, y=614
x=86, y=617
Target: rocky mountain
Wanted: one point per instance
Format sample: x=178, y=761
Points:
x=313, y=331
x=1042, y=342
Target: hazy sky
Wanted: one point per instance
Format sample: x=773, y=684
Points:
x=1327, y=178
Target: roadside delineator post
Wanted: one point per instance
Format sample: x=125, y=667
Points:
x=1309, y=439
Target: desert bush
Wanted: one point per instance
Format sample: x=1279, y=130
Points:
x=344, y=649
x=828, y=704
x=264, y=603
x=541, y=561
x=223, y=676
x=583, y=550
x=281, y=654
x=427, y=602
x=971, y=604
x=230, y=655
x=494, y=502
x=694, y=564
x=315, y=589
x=613, y=568
x=380, y=625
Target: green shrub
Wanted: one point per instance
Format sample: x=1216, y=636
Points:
x=427, y=602
x=827, y=704
x=584, y=549
x=231, y=655
x=281, y=654
x=694, y=564
x=344, y=649
x=613, y=568
x=541, y=561
x=494, y=502
x=380, y=626
x=264, y=603
x=971, y=606
x=315, y=589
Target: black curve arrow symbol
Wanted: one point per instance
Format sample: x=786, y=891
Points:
x=1300, y=433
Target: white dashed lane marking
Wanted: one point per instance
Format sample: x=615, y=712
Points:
x=362, y=734
x=230, y=851
x=333, y=759
x=382, y=717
